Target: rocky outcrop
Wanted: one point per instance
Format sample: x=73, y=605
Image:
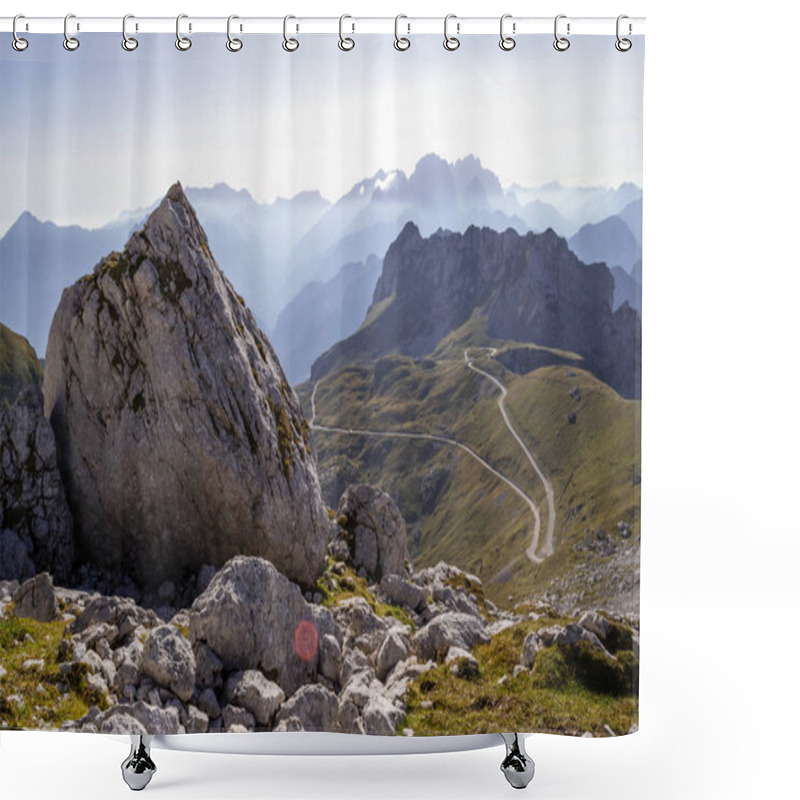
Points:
x=449, y=630
x=35, y=521
x=36, y=599
x=529, y=288
x=254, y=618
x=374, y=530
x=179, y=439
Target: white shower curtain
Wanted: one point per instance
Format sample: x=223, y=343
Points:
x=320, y=386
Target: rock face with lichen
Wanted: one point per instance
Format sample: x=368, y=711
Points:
x=179, y=439
x=35, y=522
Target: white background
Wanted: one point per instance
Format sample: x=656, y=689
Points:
x=720, y=715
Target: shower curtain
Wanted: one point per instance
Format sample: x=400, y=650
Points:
x=321, y=379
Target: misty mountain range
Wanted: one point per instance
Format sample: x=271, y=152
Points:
x=308, y=267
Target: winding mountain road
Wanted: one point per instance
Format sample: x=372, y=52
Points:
x=534, y=508
x=547, y=547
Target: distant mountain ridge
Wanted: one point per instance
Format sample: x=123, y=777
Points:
x=530, y=288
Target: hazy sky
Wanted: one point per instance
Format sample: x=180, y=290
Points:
x=88, y=134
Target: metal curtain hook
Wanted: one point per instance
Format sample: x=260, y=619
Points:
x=623, y=45
x=401, y=42
x=451, y=42
x=18, y=43
x=181, y=42
x=289, y=45
x=128, y=42
x=507, y=42
x=561, y=43
x=233, y=44
x=70, y=42
x=345, y=42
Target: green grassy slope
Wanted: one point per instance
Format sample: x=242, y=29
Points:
x=19, y=365
x=455, y=509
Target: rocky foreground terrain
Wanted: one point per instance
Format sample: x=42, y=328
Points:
x=168, y=565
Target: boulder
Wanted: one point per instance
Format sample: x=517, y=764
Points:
x=236, y=716
x=121, y=614
x=530, y=649
x=374, y=531
x=207, y=702
x=314, y=706
x=452, y=629
x=33, y=503
x=196, y=720
x=36, y=599
x=594, y=622
x=209, y=666
x=402, y=593
x=253, y=617
x=395, y=648
x=252, y=691
x=151, y=720
x=381, y=717
x=168, y=659
x=462, y=663
x=183, y=441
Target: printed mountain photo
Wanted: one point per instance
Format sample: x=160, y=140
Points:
x=368, y=464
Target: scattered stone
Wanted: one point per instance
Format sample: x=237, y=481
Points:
x=252, y=691
x=207, y=702
x=395, y=648
x=209, y=666
x=36, y=599
x=594, y=622
x=401, y=592
x=292, y=724
x=234, y=715
x=520, y=669
x=168, y=659
x=381, y=717
x=330, y=658
x=463, y=663
x=253, y=617
x=32, y=664
x=163, y=721
x=196, y=720
x=449, y=630
x=374, y=530
x=530, y=649
x=609, y=730
x=316, y=708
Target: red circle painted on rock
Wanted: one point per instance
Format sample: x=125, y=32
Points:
x=306, y=640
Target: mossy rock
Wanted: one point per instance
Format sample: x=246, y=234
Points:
x=587, y=666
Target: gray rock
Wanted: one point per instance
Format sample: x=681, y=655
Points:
x=360, y=688
x=127, y=674
x=196, y=720
x=164, y=721
x=252, y=691
x=32, y=664
x=594, y=622
x=462, y=663
x=209, y=666
x=448, y=630
x=207, y=702
x=362, y=627
x=154, y=355
x=168, y=659
x=381, y=717
x=330, y=658
x=519, y=669
x=316, y=707
x=374, y=530
x=400, y=592
x=32, y=499
x=395, y=648
x=353, y=661
x=350, y=717
x=36, y=599
x=234, y=715
x=253, y=617
x=530, y=649
x=289, y=724
x=120, y=612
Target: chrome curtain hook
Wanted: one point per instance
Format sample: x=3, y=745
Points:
x=561, y=43
x=128, y=42
x=18, y=43
x=233, y=44
x=507, y=42
x=289, y=45
x=451, y=42
x=401, y=42
x=70, y=42
x=181, y=42
x=623, y=45
x=345, y=42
